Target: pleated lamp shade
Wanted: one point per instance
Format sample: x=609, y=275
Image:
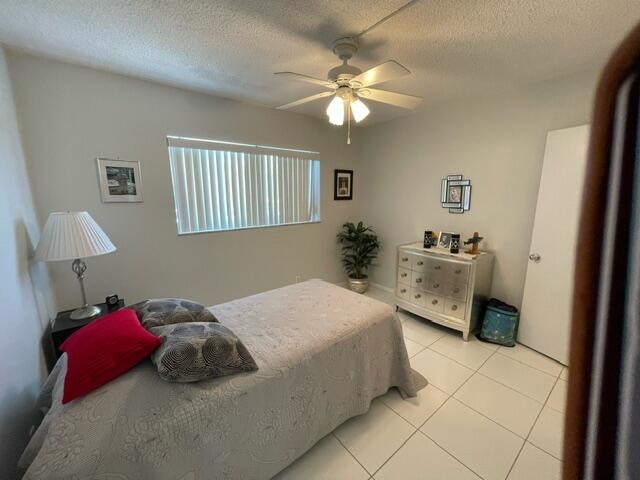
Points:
x=71, y=235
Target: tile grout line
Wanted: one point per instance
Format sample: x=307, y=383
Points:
x=510, y=387
x=349, y=452
x=449, y=396
x=452, y=455
x=452, y=396
x=531, y=366
x=395, y=451
x=526, y=440
x=460, y=363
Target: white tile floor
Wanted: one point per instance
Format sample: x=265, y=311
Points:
x=488, y=413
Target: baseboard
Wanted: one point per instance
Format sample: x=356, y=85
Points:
x=381, y=287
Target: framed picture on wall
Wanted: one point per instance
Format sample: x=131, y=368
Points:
x=120, y=180
x=343, y=185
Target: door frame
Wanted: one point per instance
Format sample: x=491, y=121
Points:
x=595, y=356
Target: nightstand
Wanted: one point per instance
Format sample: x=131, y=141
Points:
x=63, y=326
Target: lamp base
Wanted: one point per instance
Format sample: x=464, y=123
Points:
x=85, y=312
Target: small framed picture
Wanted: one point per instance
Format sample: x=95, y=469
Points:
x=343, y=185
x=444, y=240
x=120, y=180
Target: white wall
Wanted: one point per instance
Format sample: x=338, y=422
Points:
x=25, y=297
x=71, y=115
x=497, y=142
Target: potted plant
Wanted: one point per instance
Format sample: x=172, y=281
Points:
x=360, y=247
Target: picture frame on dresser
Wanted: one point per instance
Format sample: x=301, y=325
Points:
x=444, y=239
x=450, y=289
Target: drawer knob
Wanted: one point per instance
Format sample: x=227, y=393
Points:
x=403, y=274
x=434, y=302
x=418, y=295
x=458, y=271
x=437, y=267
x=405, y=259
x=420, y=262
x=404, y=290
x=418, y=280
x=456, y=290
x=454, y=307
x=436, y=285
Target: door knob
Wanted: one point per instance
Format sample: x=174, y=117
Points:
x=535, y=257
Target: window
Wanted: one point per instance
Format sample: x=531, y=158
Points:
x=228, y=186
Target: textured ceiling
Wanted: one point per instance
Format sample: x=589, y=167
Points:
x=231, y=48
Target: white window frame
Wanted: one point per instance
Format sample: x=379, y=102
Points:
x=253, y=166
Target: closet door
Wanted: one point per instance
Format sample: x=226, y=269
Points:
x=546, y=306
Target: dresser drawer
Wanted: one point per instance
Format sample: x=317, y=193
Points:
x=457, y=291
x=419, y=263
x=418, y=297
x=458, y=272
x=404, y=275
x=404, y=259
x=404, y=292
x=418, y=280
x=435, y=284
x=454, y=308
x=434, y=302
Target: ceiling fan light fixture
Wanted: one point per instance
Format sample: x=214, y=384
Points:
x=359, y=110
x=335, y=111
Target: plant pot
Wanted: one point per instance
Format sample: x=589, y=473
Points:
x=359, y=285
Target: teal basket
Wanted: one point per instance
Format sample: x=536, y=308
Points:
x=500, y=326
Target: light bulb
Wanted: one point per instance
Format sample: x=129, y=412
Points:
x=359, y=110
x=335, y=111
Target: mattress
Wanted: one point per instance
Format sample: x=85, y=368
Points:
x=323, y=354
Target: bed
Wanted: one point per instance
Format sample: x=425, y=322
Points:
x=323, y=354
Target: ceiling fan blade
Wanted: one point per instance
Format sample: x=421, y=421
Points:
x=382, y=73
x=306, y=78
x=392, y=98
x=317, y=96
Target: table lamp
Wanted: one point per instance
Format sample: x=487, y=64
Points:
x=73, y=236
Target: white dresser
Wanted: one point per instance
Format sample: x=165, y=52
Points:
x=446, y=288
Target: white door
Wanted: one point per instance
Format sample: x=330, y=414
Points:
x=546, y=307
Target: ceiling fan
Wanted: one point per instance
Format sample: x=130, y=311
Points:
x=348, y=85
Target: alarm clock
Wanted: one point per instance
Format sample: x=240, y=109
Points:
x=113, y=302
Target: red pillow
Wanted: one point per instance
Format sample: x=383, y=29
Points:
x=104, y=350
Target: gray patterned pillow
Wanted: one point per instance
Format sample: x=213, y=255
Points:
x=166, y=311
x=194, y=351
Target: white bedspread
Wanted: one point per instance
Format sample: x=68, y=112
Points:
x=323, y=354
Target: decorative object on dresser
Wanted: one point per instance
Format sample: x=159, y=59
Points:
x=455, y=243
x=474, y=242
x=444, y=239
x=120, y=180
x=428, y=239
x=456, y=194
x=74, y=236
x=446, y=288
x=63, y=326
x=343, y=185
x=360, y=247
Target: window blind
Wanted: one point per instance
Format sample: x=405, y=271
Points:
x=227, y=186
